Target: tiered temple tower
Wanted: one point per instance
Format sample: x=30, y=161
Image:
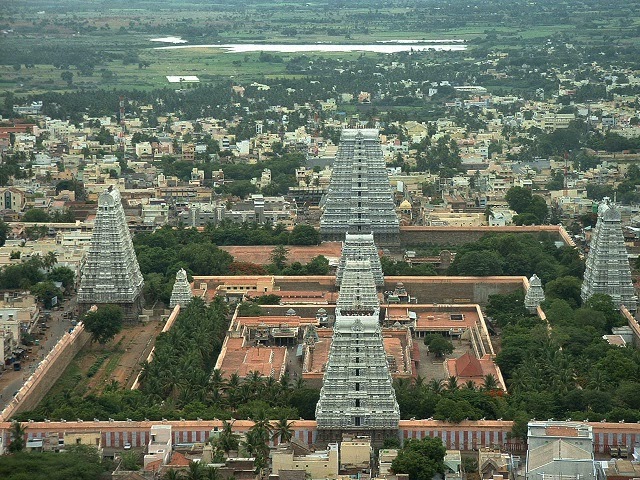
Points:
x=608, y=270
x=181, y=293
x=359, y=198
x=360, y=247
x=111, y=274
x=535, y=294
x=357, y=395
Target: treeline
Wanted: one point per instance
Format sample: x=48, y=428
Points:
x=517, y=254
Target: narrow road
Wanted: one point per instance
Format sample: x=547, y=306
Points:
x=10, y=380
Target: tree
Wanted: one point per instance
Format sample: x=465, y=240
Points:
x=439, y=345
x=49, y=260
x=566, y=288
x=63, y=275
x=518, y=198
x=303, y=234
x=420, y=459
x=36, y=215
x=104, y=323
x=278, y=257
x=67, y=76
x=47, y=293
x=282, y=430
x=4, y=230
x=17, y=433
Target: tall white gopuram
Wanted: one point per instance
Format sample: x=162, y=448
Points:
x=111, y=274
x=360, y=247
x=608, y=270
x=181, y=293
x=359, y=198
x=357, y=393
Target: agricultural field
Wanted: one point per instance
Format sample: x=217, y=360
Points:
x=71, y=45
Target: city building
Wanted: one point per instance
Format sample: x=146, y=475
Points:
x=317, y=465
x=607, y=269
x=111, y=274
x=359, y=197
x=560, y=451
x=357, y=395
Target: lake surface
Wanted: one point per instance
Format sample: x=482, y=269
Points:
x=386, y=46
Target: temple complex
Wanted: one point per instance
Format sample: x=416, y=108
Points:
x=357, y=395
x=608, y=270
x=360, y=247
x=181, y=292
x=111, y=274
x=359, y=198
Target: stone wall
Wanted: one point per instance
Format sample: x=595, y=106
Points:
x=47, y=372
x=445, y=236
x=452, y=290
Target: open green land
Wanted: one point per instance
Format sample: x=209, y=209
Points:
x=107, y=44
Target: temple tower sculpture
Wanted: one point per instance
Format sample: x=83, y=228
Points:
x=111, y=274
x=359, y=198
x=181, y=293
x=357, y=395
x=535, y=294
x=608, y=270
x=360, y=247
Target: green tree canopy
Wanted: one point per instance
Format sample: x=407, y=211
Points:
x=420, y=459
x=36, y=215
x=104, y=323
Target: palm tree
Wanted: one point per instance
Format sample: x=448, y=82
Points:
x=227, y=439
x=49, y=260
x=172, y=474
x=490, y=382
x=283, y=430
x=212, y=473
x=452, y=384
x=195, y=472
x=17, y=437
x=469, y=385
x=436, y=386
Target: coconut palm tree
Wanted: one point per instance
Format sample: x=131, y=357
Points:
x=282, y=430
x=436, y=385
x=490, y=382
x=469, y=385
x=227, y=440
x=49, y=260
x=452, y=384
x=17, y=433
x=172, y=474
x=195, y=472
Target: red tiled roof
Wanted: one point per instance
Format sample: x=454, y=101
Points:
x=468, y=366
x=179, y=460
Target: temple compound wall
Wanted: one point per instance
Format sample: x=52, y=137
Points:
x=466, y=435
x=445, y=236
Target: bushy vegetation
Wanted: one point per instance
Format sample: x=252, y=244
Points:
x=79, y=462
x=517, y=254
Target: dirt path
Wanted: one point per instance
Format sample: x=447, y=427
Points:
x=123, y=356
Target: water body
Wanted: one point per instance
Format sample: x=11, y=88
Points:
x=169, y=40
x=389, y=46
